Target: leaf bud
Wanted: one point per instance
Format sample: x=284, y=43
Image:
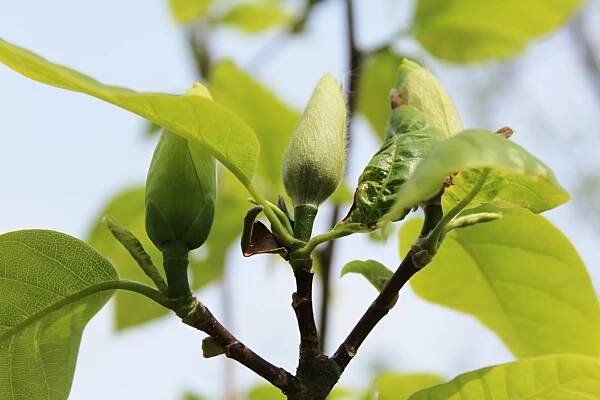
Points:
x=314, y=162
x=180, y=193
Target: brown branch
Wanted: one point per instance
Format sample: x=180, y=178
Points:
x=379, y=308
x=198, y=316
x=303, y=308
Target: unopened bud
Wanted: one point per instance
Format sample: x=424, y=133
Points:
x=313, y=166
x=417, y=87
x=180, y=193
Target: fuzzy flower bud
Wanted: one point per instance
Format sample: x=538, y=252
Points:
x=314, y=162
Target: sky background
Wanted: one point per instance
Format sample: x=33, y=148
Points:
x=63, y=155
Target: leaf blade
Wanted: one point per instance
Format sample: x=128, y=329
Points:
x=41, y=271
x=392, y=386
x=197, y=118
x=472, y=30
x=411, y=138
x=272, y=120
x=375, y=272
x=520, y=277
x=470, y=150
x=256, y=18
x=570, y=377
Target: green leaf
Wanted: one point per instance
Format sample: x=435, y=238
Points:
x=555, y=377
x=265, y=392
x=193, y=116
x=184, y=11
x=505, y=191
x=127, y=208
x=519, y=276
x=375, y=272
x=390, y=386
x=272, y=120
x=43, y=311
x=376, y=79
x=410, y=139
x=468, y=150
x=475, y=30
x=256, y=17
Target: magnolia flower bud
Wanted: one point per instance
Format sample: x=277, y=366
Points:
x=313, y=166
x=417, y=87
x=180, y=193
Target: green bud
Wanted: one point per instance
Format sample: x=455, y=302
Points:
x=313, y=166
x=180, y=193
x=417, y=87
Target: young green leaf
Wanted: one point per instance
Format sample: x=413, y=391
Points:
x=272, y=120
x=410, y=139
x=390, y=386
x=127, y=207
x=195, y=117
x=518, y=275
x=375, y=272
x=256, y=17
x=377, y=76
x=468, y=150
x=184, y=11
x=44, y=309
x=505, y=190
x=476, y=30
x=559, y=377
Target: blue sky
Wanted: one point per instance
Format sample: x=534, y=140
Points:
x=63, y=155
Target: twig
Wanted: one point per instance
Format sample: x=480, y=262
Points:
x=198, y=316
x=378, y=309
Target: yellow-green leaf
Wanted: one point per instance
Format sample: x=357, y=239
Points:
x=272, y=120
x=477, y=30
x=265, y=392
x=390, y=386
x=518, y=275
x=376, y=80
x=197, y=118
x=505, y=190
x=469, y=150
x=184, y=11
x=256, y=17
x=555, y=377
